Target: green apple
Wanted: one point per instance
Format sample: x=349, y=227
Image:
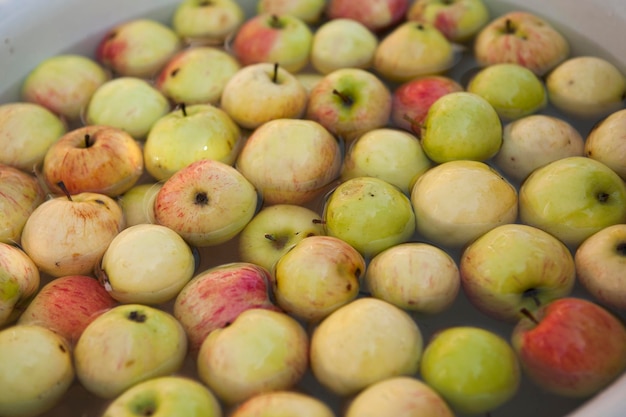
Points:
x=458, y=201
x=199, y=21
x=19, y=282
x=165, y=396
x=316, y=277
x=275, y=230
x=370, y=214
x=600, y=264
x=461, y=125
x=473, y=369
x=188, y=134
x=514, y=267
x=586, y=87
x=260, y=351
x=411, y=50
x=393, y=155
x=128, y=344
x=364, y=342
x=147, y=264
x=27, y=130
x=513, y=90
x=308, y=155
x=572, y=198
x=35, y=370
x=401, y=396
x=342, y=43
x=310, y=11
x=138, y=203
x=606, y=142
x=282, y=403
x=414, y=276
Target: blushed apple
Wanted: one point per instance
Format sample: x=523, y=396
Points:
x=310, y=11
x=606, y=142
x=201, y=21
x=376, y=15
x=19, y=282
x=283, y=401
x=138, y=203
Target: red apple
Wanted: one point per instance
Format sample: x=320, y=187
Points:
x=376, y=15
x=571, y=347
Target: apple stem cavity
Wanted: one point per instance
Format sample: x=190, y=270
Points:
x=275, y=22
x=63, y=188
x=137, y=316
x=201, y=199
x=345, y=99
x=529, y=315
x=621, y=249
x=603, y=197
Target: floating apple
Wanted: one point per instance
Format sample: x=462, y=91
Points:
x=310, y=11
x=19, y=282
x=376, y=15
x=138, y=203
x=201, y=21
x=281, y=401
x=607, y=142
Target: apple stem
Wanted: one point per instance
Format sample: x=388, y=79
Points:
x=275, y=76
x=416, y=127
x=87, y=140
x=528, y=314
x=347, y=101
x=270, y=237
x=63, y=188
x=318, y=221
x=508, y=26
x=183, y=109
x=275, y=22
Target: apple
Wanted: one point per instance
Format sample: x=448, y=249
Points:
x=165, y=396
x=277, y=402
x=414, y=276
x=514, y=267
x=316, y=277
x=606, y=142
x=146, y=264
x=128, y=344
x=600, y=264
x=66, y=305
x=20, y=195
x=137, y=47
x=376, y=15
x=473, y=369
x=401, y=396
x=349, y=102
x=370, y=214
x=127, y=103
x=513, y=90
x=364, y=342
x=534, y=141
x=197, y=75
x=458, y=201
x=310, y=11
x=64, y=84
x=272, y=38
x=201, y=21
x=412, y=99
x=216, y=296
x=458, y=20
x=188, y=134
x=259, y=93
x=586, y=87
x=290, y=161
x=461, y=126
x=261, y=351
x=571, y=347
x=309, y=80
x=27, y=130
x=35, y=370
x=68, y=235
x=138, y=203
x=392, y=155
x=522, y=38
x=411, y=50
x=274, y=230
x=342, y=43
x=572, y=198
x=207, y=202
x=96, y=159
x=19, y=282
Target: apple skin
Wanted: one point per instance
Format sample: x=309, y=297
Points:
x=20, y=194
x=96, y=159
x=310, y=11
x=607, y=142
x=138, y=203
x=215, y=297
x=261, y=351
x=137, y=47
x=197, y=21
x=401, y=396
x=376, y=15
x=282, y=402
x=600, y=264
x=165, y=396
x=207, y=202
x=128, y=344
x=572, y=198
x=363, y=342
x=473, y=369
x=66, y=236
x=19, y=282
x=66, y=305
x=316, y=277
x=515, y=266
x=575, y=350
x=521, y=38
x=36, y=370
x=27, y=130
x=64, y=84
x=274, y=230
